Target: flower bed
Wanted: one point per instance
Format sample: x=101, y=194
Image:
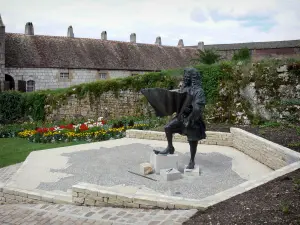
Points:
x=89, y=131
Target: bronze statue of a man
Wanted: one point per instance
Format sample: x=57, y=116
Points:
x=189, y=123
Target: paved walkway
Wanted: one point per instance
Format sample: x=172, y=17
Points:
x=40, y=214
x=69, y=214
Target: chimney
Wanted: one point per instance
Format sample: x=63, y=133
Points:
x=70, y=32
x=201, y=45
x=180, y=43
x=158, y=41
x=1, y=22
x=133, y=38
x=29, y=29
x=104, y=35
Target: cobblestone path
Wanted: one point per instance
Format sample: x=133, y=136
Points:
x=69, y=214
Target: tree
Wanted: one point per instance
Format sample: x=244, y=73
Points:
x=208, y=56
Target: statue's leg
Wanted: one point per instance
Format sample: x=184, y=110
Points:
x=193, y=151
x=174, y=126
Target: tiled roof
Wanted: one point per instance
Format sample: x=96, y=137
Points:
x=38, y=51
x=255, y=45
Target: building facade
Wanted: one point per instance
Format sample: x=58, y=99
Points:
x=34, y=62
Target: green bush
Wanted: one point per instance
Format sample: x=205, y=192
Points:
x=242, y=54
x=11, y=106
x=213, y=75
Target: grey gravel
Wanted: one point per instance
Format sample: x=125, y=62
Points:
x=109, y=167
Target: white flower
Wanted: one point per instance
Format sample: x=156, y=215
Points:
x=100, y=118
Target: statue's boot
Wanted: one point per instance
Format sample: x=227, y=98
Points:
x=191, y=165
x=167, y=151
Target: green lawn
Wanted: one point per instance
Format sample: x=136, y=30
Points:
x=15, y=150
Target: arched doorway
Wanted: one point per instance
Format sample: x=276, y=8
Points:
x=9, y=83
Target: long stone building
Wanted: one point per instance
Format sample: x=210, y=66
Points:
x=31, y=62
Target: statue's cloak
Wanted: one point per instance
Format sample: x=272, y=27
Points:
x=165, y=102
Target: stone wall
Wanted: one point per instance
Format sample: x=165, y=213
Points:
x=127, y=103
x=258, y=54
x=266, y=152
x=49, y=78
x=10, y=195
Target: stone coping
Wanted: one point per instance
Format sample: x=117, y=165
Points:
x=212, y=138
x=273, y=155
x=264, y=151
x=15, y=195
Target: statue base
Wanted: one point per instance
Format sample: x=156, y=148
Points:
x=170, y=174
x=192, y=172
x=159, y=162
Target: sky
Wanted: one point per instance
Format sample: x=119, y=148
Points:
x=210, y=21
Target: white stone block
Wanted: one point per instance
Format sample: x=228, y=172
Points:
x=193, y=172
x=159, y=162
x=170, y=174
x=146, y=168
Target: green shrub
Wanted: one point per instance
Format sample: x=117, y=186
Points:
x=242, y=54
x=213, y=75
x=11, y=106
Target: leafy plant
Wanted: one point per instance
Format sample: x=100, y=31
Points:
x=208, y=56
x=270, y=124
x=285, y=208
x=242, y=54
x=11, y=106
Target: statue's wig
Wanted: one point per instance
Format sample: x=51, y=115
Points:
x=194, y=75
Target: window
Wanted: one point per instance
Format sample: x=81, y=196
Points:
x=30, y=86
x=64, y=75
x=103, y=75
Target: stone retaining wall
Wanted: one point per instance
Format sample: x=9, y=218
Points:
x=266, y=152
x=127, y=103
x=213, y=138
x=9, y=195
x=94, y=195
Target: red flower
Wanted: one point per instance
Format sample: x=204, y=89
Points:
x=70, y=127
x=103, y=122
x=42, y=130
x=51, y=128
x=62, y=126
x=83, y=127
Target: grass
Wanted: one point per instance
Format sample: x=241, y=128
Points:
x=15, y=150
